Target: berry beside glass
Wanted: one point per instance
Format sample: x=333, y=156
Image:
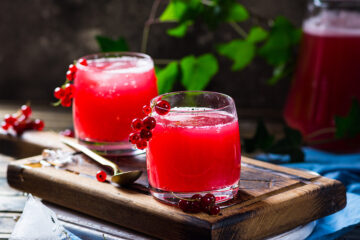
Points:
x=109, y=92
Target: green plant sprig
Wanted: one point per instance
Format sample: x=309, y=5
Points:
x=276, y=46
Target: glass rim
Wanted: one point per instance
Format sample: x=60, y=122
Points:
x=103, y=55
x=159, y=97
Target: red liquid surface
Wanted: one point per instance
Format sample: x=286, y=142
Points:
x=192, y=153
x=326, y=81
x=109, y=94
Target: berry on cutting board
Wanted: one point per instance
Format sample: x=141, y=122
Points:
x=101, y=176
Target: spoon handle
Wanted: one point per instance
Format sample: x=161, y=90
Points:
x=96, y=157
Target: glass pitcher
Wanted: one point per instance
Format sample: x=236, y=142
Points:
x=327, y=77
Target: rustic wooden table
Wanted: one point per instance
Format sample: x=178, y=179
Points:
x=12, y=201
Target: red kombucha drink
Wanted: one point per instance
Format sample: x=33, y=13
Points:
x=109, y=93
x=195, y=150
x=327, y=79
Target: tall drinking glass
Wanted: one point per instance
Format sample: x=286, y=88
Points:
x=195, y=148
x=327, y=78
x=109, y=92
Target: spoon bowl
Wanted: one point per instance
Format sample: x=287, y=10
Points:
x=125, y=178
x=119, y=177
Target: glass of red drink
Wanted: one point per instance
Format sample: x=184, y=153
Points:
x=327, y=77
x=195, y=148
x=109, y=92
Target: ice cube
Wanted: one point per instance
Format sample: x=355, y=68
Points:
x=39, y=222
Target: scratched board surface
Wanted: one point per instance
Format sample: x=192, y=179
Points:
x=271, y=199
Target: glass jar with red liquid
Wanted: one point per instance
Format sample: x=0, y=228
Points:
x=109, y=92
x=327, y=78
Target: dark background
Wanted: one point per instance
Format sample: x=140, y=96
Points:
x=39, y=38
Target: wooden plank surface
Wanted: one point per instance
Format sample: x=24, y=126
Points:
x=271, y=199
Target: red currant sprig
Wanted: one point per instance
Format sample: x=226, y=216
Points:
x=20, y=122
x=198, y=203
x=143, y=132
x=65, y=93
x=143, y=127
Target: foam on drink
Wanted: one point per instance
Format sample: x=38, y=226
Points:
x=331, y=23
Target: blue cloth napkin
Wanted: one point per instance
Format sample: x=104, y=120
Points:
x=343, y=167
x=72, y=236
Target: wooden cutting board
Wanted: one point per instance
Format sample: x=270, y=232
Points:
x=272, y=199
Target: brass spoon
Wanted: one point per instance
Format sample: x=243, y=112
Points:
x=119, y=177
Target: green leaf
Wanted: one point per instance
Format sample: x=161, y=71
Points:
x=262, y=139
x=109, y=45
x=283, y=37
x=296, y=35
x=180, y=30
x=290, y=144
x=349, y=126
x=240, y=51
x=174, y=11
x=278, y=73
x=257, y=34
x=167, y=77
x=197, y=72
x=292, y=136
x=237, y=13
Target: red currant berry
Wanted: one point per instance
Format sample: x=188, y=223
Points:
x=20, y=127
x=206, y=202
x=72, y=68
x=67, y=133
x=141, y=144
x=38, y=124
x=196, y=197
x=134, y=138
x=195, y=207
x=210, y=198
x=136, y=124
x=149, y=122
x=145, y=134
x=9, y=119
x=83, y=61
x=162, y=107
x=146, y=109
x=26, y=110
x=69, y=90
x=101, y=176
x=214, y=210
x=184, y=205
x=5, y=125
x=29, y=125
x=70, y=75
x=66, y=102
x=59, y=93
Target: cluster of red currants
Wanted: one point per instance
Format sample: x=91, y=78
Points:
x=144, y=126
x=198, y=203
x=65, y=93
x=20, y=121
